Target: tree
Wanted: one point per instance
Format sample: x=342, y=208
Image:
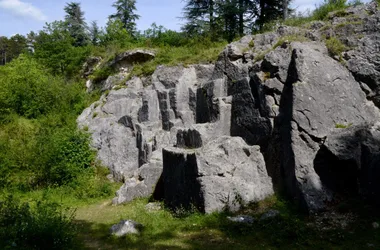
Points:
x=55, y=48
x=11, y=48
x=229, y=12
x=115, y=33
x=3, y=50
x=95, y=33
x=200, y=16
x=271, y=10
x=231, y=17
x=125, y=12
x=76, y=24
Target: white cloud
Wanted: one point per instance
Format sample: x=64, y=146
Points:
x=23, y=9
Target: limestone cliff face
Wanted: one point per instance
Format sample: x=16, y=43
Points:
x=272, y=113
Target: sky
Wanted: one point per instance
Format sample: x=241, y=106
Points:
x=23, y=16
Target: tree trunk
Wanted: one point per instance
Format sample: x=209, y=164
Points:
x=285, y=9
x=212, y=21
x=262, y=13
x=241, y=17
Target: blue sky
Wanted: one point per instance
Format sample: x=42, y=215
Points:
x=23, y=16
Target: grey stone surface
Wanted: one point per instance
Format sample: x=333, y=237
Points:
x=318, y=95
x=225, y=174
x=125, y=60
x=270, y=214
x=244, y=219
x=90, y=65
x=125, y=227
x=185, y=134
x=348, y=162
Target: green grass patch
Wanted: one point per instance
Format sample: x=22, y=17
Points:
x=335, y=47
x=291, y=38
x=192, y=53
x=163, y=230
x=343, y=25
x=322, y=12
x=340, y=125
x=173, y=56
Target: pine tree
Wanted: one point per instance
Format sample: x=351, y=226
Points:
x=76, y=24
x=200, y=16
x=95, y=33
x=125, y=12
x=270, y=10
x=231, y=17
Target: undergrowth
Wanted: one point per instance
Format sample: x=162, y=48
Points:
x=291, y=229
x=36, y=225
x=321, y=13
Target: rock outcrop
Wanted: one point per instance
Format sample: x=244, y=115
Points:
x=273, y=113
x=224, y=174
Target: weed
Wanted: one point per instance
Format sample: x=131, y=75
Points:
x=261, y=56
x=322, y=11
x=342, y=25
x=252, y=43
x=291, y=38
x=335, y=47
x=94, y=115
x=266, y=76
x=339, y=125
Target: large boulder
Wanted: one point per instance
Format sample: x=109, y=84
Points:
x=169, y=135
x=90, y=65
x=126, y=60
x=348, y=162
x=319, y=95
x=130, y=126
x=223, y=175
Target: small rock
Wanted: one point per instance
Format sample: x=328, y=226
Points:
x=270, y=214
x=370, y=245
x=153, y=206
x=375, y=225
x=125, y=227
x=246, y=219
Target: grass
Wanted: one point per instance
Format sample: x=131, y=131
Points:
x=291, y=38
x=339, y=125
x=321, y=13
x=335, y=47
x=194, y=53
x=163, y=230
x=172, y=56
x=353, y=23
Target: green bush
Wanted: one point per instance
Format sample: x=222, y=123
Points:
x=65, y=155
x=39, y=142
x=26, y=89
x=55, y=48
x=322, y=12
x=35, y=225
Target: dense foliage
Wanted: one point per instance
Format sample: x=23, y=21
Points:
x=231, y=18
x=40, y=225
x=39, y=141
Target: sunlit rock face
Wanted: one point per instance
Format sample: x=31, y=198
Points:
x=274, y=113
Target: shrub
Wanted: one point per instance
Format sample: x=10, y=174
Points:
x=322, y=11
x=35, y=225
x=65, y=155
